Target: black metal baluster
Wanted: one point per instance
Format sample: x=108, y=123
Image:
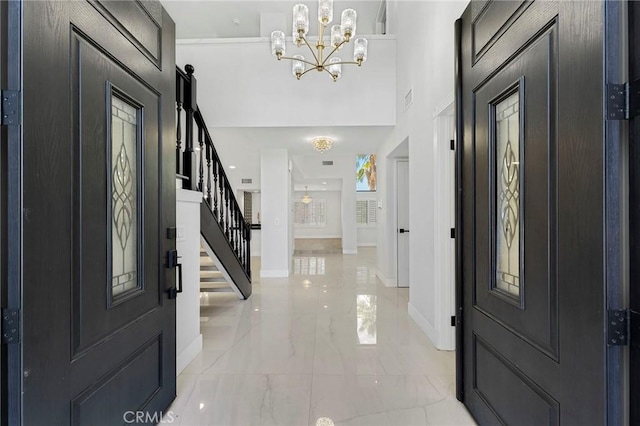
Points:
x=226, y=207
x=236, y=228
x=201, y=168
x=208, y=149
x=239, y=239
x=244, y=243
x=215, y=190
x=221, y=185
x=242, y=225
x=232, y=211
x=179, y=134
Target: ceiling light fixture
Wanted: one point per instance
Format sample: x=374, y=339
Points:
x=306, y=198
x=232, y=167
x=340, y=34
x=322, y=143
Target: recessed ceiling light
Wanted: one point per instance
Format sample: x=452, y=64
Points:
x=324, y=183
x=324, y=189
x=232, y=167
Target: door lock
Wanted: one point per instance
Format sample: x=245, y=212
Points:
x=403, y=231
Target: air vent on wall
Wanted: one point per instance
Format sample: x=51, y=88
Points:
x=247, y=180
x=327, y=163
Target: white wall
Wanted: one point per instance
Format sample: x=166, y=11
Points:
x=276, y=210
x=333, y=228
x=188, y=337
x=240, y=84
x=367, y=235
x=425, y=58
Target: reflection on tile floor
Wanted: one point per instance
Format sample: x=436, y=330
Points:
x=319, y=349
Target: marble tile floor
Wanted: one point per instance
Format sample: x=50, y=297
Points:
x=330, y=345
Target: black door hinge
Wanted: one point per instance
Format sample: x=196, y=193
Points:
x=10, y=106
x=623, y=100
x=453, y=145
x=453, y=232
x=10, y=326
x=622, y=327
x=453, y=321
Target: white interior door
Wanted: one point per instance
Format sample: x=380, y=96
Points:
x=402, y=191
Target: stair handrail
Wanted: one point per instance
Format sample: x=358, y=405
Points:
x=212, y=178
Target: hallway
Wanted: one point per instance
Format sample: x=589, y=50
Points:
x=328, y=345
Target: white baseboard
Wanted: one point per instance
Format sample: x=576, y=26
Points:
x=345, y=251
x=388, y=282
x=186, y=356
x=311, y=237
x=274, y=273
x=367, y=244
x=424, y=325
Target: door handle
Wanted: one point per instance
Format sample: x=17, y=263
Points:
x=172, y=262
x=402, y=230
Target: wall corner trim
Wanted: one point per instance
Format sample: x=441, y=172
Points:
x=388, y=282
x=185, y=357
x=424, y=325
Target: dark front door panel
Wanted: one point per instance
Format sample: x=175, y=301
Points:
x=530, y=212
x=99, y=189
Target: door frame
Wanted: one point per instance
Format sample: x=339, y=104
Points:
x=396, y=227
x=11, y=212
x=616, y=214
x=459, y=125
x=444, y=221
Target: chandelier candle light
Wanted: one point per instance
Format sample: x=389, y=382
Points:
x=340, y=34
x=306, y=198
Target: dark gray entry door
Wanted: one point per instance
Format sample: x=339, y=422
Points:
x=98, y=194
x=532, y=240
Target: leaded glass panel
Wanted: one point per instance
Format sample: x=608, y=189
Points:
x=508, y=221
x=124, y=223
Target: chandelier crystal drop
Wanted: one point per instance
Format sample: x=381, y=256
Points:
x=322, y=143
x=340, y=35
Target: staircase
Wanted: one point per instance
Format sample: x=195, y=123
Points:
x=211, y=278
x=225, y=258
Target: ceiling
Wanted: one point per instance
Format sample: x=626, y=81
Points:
x=240, y=147
x=215, y=18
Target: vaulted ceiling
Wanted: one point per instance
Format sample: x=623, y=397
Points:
x=241, y=18
x=206, y=19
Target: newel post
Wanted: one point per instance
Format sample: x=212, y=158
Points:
x=190, y=105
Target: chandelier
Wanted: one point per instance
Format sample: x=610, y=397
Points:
x=306, y=198
x=322, y=144
x=340, y=34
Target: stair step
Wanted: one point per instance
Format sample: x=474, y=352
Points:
x=216, y=290
x=213, y=280
x=208, y=268
x=217, y=286
x=210, y=273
